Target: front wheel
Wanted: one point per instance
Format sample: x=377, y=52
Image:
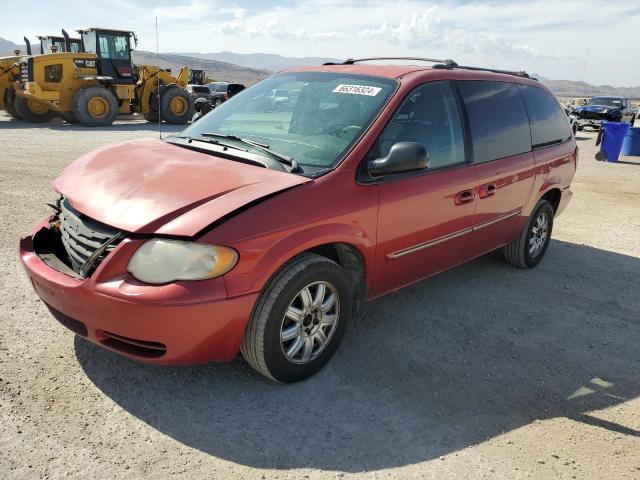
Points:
x=32, y=110
x=528, y=248
x=176, y=106
x=299, y=320
x=9, y=103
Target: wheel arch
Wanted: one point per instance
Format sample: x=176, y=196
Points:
x=346, y=245
x=553, y=196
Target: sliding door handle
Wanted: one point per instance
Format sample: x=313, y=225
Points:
x=465, y=196
x=487, y=190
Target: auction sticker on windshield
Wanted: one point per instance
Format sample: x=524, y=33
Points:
x=357, y=90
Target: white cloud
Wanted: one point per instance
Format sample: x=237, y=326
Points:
x=191, y=11
x=421, y=29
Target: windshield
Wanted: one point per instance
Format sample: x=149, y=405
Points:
x=198, y=89
x=312, y=117
x=113, y=46
x=607, y=101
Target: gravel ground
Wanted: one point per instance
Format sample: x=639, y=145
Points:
x=483, y=371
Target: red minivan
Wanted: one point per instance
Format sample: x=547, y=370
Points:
x=264, y=230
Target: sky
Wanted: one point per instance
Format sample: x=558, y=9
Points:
x=585, y=40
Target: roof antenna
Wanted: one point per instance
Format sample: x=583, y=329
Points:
x=158, y=89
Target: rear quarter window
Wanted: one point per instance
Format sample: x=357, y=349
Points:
x=549, y=124
x=497, y=118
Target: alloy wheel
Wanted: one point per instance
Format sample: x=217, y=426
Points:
x=309, y=322
x=539, y=234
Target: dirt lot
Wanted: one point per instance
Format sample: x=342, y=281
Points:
x=483, y=371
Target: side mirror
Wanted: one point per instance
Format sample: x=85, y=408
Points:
x=402, y=157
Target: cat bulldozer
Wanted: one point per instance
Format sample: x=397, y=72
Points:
x=55, y=44
x=94, y=85
x=199, y=77
x=9, y=73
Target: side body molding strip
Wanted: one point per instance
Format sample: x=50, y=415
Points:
x=451, y=236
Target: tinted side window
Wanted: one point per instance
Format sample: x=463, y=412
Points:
x=498, y=119
x=548, y=123
x=221, y=88
x=429, y=116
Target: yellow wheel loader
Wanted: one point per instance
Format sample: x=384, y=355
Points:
x=94, y=85
x=9, y=73
x=30, y=109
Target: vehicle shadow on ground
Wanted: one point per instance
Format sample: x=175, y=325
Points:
x=123, y=124
x=437, y=367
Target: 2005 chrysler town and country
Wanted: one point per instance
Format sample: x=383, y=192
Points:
x=263, y=230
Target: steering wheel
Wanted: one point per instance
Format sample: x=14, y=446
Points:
x=351, y=128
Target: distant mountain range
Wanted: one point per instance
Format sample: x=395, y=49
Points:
x=219, y=71
x=248, y=68
x=261, y=61
x=7, y=47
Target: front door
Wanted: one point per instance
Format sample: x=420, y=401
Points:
x=425, y=218
x=114, y=56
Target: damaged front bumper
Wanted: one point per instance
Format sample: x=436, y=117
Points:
x=177, y=323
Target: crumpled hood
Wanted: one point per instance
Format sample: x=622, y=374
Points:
x=150, y=186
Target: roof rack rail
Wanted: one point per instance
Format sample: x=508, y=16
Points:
x=521, y=73
x=439, y=64
x=350, y=61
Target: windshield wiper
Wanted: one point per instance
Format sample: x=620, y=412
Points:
x=212, y=141
x=260, y=146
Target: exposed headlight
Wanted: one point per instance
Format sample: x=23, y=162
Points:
x=160, y=261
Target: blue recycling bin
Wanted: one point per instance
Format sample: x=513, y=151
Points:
x=631, y=143
x=613, y=134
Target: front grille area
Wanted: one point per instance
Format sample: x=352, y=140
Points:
x=591, y=116
x=26, y=70
x=86, y=241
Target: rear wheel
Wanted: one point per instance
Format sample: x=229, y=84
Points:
x=32, y=110
x=95, y=107
x=633, y=120
x=299, y=320
x=529, y=247
x=176, y=106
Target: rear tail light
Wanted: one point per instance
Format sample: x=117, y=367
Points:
x=226, y=96
x=124, y=71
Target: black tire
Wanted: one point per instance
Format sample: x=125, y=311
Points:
x=9, y=100
x=82, y=110
x=21, y=106
x=69, y=117
x=633, y=120
x=181, y=116
x=262, y=347
x=217, y=102
x=151, y=117
x=575, y=129
x=517, y=253
x=579, y=128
